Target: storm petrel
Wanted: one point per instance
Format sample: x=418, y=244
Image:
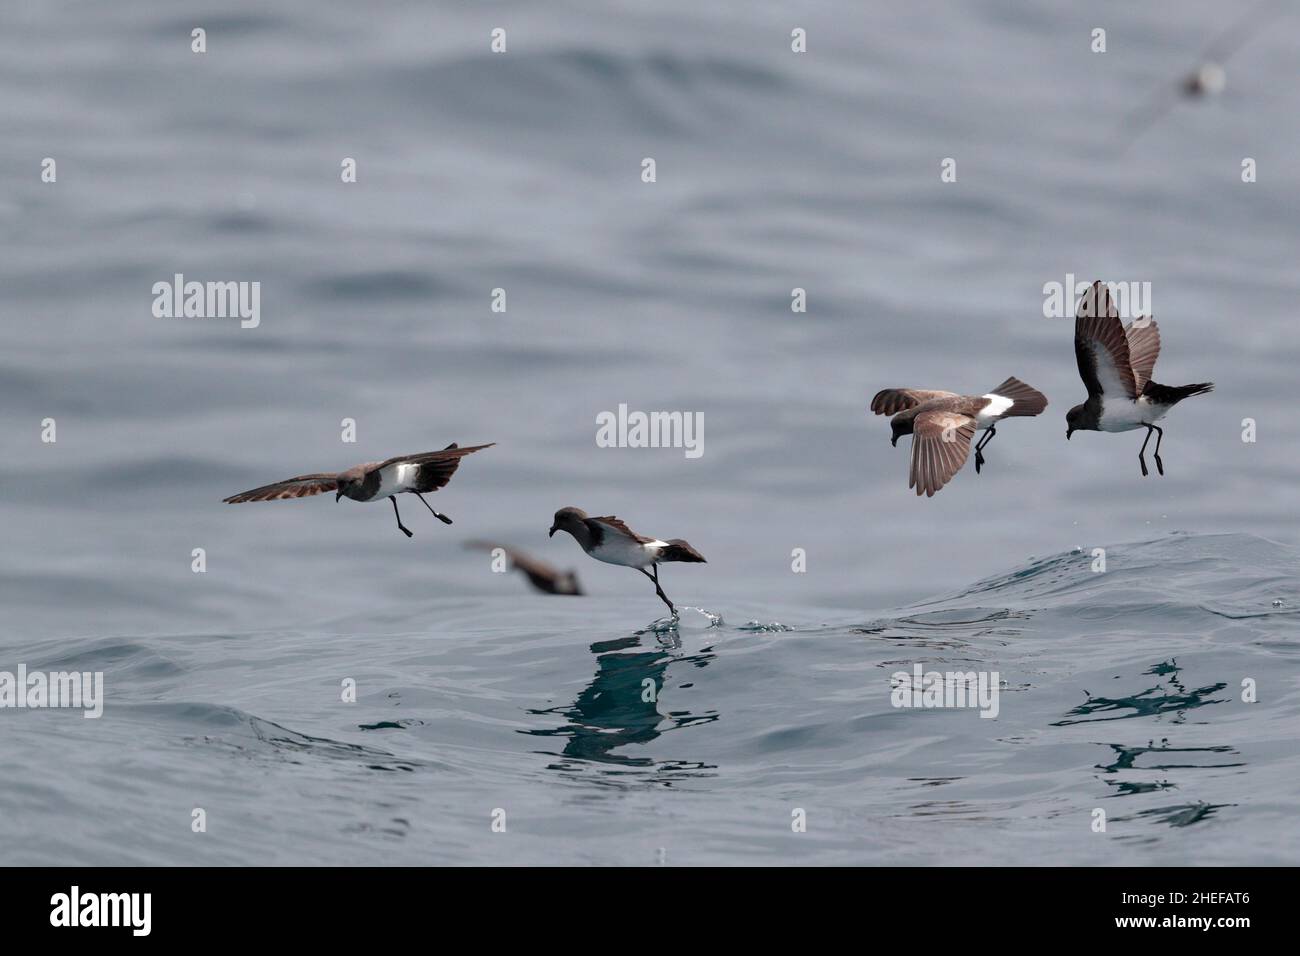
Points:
x=1115, y=363
x=540, y=575
x=1208, y=78
x=373, y=481
x=610, y=540
x=942, y=424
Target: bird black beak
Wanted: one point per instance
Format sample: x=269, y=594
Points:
x=552, y=534
x=1068, y=433
x=894, y=441
x=337, y=495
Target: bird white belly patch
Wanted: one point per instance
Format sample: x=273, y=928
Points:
x=616, y=549
x=395, y=479
x=1123, y=415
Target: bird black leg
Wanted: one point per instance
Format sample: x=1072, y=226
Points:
x=979, y=446
x=1160, y=435
x=405, y=530
x=658, y=589
x=441, y=517
x=1142, y=461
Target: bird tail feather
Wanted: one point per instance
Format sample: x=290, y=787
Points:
x=1026, y=400
x=1172, y=394
x=679, y=550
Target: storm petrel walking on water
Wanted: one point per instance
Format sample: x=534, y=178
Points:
x=373, y=481
x=942, y=424
x=1115, y=363
x=540, y=575
x=610, y=540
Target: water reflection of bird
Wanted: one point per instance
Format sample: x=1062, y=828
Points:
x=1173, y=701
x=621, y=706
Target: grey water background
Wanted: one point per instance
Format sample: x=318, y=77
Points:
x=522, y=171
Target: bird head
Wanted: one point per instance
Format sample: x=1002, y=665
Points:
x=568, y=519
x=901, y=424
x=1073, y=421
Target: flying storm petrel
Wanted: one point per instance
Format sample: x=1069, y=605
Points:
x=540, y=575
x=1115, y=363
x=427, y=471
x=1207, y=79
x=610, y=540
x=942, y=424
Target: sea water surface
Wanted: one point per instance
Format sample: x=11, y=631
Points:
x=1121, y=692
x=522, y=172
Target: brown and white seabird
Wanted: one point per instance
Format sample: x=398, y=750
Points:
x=942, y=424
x=373, y=481
x=608, y=539
x=540, y=575
x=1115, y=363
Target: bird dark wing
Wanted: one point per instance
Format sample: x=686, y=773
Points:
x=435, y=467
x=1101, y=347
x=301, y=487
x=891, y=401
x=608, y=524
x=940, y=446
x=1143, y=350
x=452, y=452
